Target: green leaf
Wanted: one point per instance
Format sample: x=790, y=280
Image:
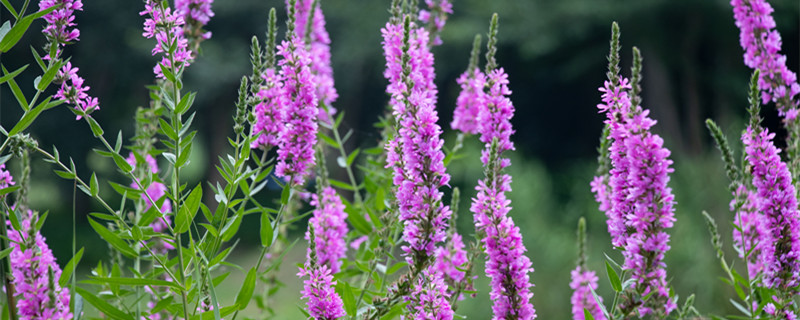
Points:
x=70, y=268
x=396, y=267
x=121, y=163
x=5, y=252
x=10, y=9
x=12, y=75
x=613, y=278
x=587, y=315
x=9, y=190
x=134, y=282
x=185, y=103
x=246, y=292
x=114, y=240
x=12, y=37
x=325, y=138
x=167, y=73
x=48, y=76
x=28, y=118
x=286, y=193
x=16, y=91
x=103, y=306
x=352, y=157
x=267, y=232
x=231, y=228
x=93, y=186
x=357, y=220
x=348, y=298
x=96, y=129
x=189, y=209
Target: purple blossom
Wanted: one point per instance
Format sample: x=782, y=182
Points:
x=777, y=201
x=438, y=10
x=73, y=91
x=196, y=13
x=762, y=46
x=299, y=116
x=599, y=186
x=582, y=284
x=35, y=274
x=451, y=258
x=415, y=153
x=330, y=228
x=268, y=111
x=506, y=265
x=6, y=180
x=429, y=299
x=469, y=101
x=60, y=28
x=751, y=221
x=641, y=206
x=166, y=26
x=323, y=302
x=319, y=49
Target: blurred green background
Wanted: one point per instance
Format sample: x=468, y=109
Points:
x=555, y=54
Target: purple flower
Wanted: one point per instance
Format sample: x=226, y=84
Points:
x=641, y=206
x=156, y=190
x=451, y=258
x=323, y=302
x=319, y=49
x=429, y=299
x=506, y=265
x=299, y=115
x=329, y=227
x=166, y=26
x=469, y=101
x=196, y=13
x=582, y=284
x=415, y=153
x=777, y=201
x=762, y=46
x=751, y=221
x=73, y=91
x=6, y=180
x=268, y=111
x=438, y=10
x=60, y=28
x=35, y=274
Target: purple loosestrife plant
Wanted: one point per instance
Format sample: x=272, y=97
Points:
x=641, y=203
x=299, y=115
x=323, y=302
x=166, y=25
x=268, y=111
x=429, y=299
x=415, y=153
x=156, y=190
x=584, y=282
x=61, y=27
x=329, y=227
x=319, y=47
x=751, y=222
x=35, y=274
x=6, y=180
x=196, y=14
x=436, y=17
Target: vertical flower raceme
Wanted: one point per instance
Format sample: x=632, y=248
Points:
x=73, y=91
x=762, y=46
x=751, y=222
x=778, y=203
x=641, y=203
x=61, y=27
x=196, y=14
x=319, y=47
x=323, y=302
x=451, y=260
x=429, y=299
x=329, y=227
x=268, y=111
x=35, y=274
x=582, y=284
x=166, y=26
x=299, y=115
x=469, y=101
x=436, y=17
x=506, y=265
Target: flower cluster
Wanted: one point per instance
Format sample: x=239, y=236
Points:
x=751, y=222
x=166, y=26
x=641, y=203
x=60, y=28
x=73, y=91
x=507, y=266
x=583, y=283
x=329, y=227
x=451, y=258
x=762, y=45
x=268, y=111
x=469, y=101
x=429, y=299
x=436, y=17
x=196, y=14
x=299, y=112
x=323, y=302
x=776, y=200
x=415, y=153
x=6, y=180
x=35, y=274
x=319, y=48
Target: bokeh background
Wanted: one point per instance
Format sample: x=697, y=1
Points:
x=555, y=54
